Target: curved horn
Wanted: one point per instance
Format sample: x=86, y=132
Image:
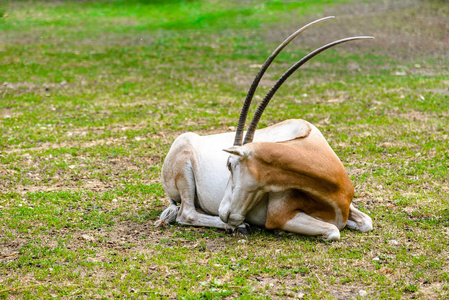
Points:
x=253, y=125
x=252, y=89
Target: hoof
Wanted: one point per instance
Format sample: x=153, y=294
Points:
x=160, y=223
x=241, y=231
x=332, y=235
x=364, y=227
x=228, y=229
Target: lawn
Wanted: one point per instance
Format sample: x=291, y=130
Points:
x=93, y=93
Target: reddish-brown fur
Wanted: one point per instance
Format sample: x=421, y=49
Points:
x=312, y=172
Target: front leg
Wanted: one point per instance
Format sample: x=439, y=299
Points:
x=358, y=220
x=194, y=218
x=307, y=225
x=284, y=213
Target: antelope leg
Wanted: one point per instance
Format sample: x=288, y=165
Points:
x=358, y=220
x=194, y=218
x=307, y=225
x=188, y=214
x=284, y=212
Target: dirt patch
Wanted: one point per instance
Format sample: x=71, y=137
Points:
x=440, y=91
x=21, y=88
x=80, y=132
x=47, y=145
x=93, y=184
x=124, y=237
x=400, y=29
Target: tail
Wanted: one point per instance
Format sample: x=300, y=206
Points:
x=168, y=215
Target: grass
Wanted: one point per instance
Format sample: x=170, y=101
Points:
x=92, y=94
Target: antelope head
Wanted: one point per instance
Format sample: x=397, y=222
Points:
x=245, y=189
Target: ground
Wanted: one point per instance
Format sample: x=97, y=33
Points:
x=93, y=93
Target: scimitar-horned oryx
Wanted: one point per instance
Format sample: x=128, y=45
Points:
x=285, y=176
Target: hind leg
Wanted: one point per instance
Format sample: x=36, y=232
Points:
x=358, y=220
x=188, y=214
x=178, y=182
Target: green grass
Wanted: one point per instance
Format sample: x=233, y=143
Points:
x=93, y=93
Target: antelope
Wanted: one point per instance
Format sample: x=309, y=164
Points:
x=285, y=176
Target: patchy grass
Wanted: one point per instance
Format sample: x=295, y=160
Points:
x=93, y=93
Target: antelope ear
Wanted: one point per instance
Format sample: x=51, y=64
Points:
x=241, y=151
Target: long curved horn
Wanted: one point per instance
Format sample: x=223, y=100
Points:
x=252, y=89
x=253, y=125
